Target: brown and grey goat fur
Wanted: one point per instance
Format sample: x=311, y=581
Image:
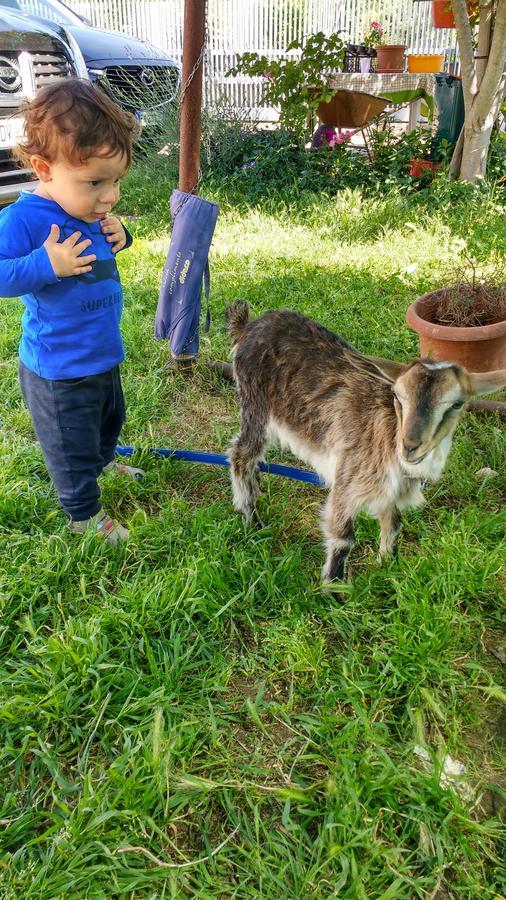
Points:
x=373, y=429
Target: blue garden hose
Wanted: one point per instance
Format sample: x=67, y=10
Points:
x=219, y=459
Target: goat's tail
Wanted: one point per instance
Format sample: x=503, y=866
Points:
x=238, y=318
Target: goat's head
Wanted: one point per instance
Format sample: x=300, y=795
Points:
x=429, y=399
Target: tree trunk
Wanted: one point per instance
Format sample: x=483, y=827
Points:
x=483, y=83
x=454, y=170
x=474, y=153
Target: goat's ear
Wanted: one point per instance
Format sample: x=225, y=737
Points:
x=487, y=382
x=388, y=367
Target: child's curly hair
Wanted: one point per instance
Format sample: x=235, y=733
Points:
x=74, y=119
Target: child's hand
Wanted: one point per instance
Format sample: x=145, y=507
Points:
x=65, y=257
x=116, y=235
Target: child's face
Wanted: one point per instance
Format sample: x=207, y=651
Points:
x=88, y=191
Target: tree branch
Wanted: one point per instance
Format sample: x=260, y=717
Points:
x=467, y=63
x=494, y=72
x=484, y=36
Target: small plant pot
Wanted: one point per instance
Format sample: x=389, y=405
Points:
x=442, y=14
x=417, y=167
x=480, y=348
x=391, y=58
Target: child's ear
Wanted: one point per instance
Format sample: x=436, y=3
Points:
x=41, y=167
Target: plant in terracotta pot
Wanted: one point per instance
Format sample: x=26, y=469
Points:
x=465, y=321
x=437, y=157
x=442, y=13
x=390, y=56
x=298, y=82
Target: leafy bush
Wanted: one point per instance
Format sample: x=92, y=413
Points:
x=230, y=148
x=259, y=163
x=297, y=83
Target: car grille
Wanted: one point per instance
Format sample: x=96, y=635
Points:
x=141, y=87
x=49, y=66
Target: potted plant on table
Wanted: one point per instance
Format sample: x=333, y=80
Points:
x=465, y=321
x=390, y=56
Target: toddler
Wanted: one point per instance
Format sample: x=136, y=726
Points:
x=57, y=252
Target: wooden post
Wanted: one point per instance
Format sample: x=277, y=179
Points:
x=191, y=102
x=194, y=29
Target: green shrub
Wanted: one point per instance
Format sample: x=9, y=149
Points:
x=257, y=164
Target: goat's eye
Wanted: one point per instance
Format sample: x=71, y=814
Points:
x=458, y=405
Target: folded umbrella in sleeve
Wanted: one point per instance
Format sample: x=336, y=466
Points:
x=186, y=270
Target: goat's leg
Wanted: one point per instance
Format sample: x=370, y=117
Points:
x=339, y=536
x=244, y=455
x=390, y=525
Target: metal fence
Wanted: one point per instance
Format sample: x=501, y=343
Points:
x=263, y=26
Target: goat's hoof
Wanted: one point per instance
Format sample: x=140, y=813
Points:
x=257, y=520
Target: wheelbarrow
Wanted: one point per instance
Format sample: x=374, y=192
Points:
x=351, y=110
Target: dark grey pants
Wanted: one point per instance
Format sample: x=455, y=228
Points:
x=77, y=422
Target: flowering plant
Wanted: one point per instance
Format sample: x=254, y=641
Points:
x=335, y=139
x=375, y=36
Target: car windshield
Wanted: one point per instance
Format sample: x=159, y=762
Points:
x=52, y=10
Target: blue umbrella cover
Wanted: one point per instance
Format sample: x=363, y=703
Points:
x=178, y=311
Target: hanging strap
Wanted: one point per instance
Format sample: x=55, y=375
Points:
x=207, y=288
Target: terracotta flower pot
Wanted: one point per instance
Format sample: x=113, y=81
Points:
x=442, y=14
x=391, y=58
x=480, y=348
x=418, y=166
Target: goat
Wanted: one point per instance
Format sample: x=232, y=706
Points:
x=373, y=429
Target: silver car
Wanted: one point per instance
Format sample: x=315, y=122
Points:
x=32, y=54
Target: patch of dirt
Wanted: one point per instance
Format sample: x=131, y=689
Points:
x=242, y=688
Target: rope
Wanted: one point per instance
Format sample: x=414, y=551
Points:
x=219, y=459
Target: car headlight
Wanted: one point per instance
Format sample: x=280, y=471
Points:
x=79, y=63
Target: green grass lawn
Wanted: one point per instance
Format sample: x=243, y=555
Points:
x=190, y=715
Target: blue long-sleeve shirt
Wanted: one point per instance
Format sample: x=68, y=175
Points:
x=70, y=327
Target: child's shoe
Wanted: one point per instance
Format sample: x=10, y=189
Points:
x=121, y=469
x=103, y=526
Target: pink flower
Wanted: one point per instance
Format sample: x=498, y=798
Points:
x=342, y=138
x=376, y=26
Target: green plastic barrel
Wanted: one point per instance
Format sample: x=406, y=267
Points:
x=450, y=104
